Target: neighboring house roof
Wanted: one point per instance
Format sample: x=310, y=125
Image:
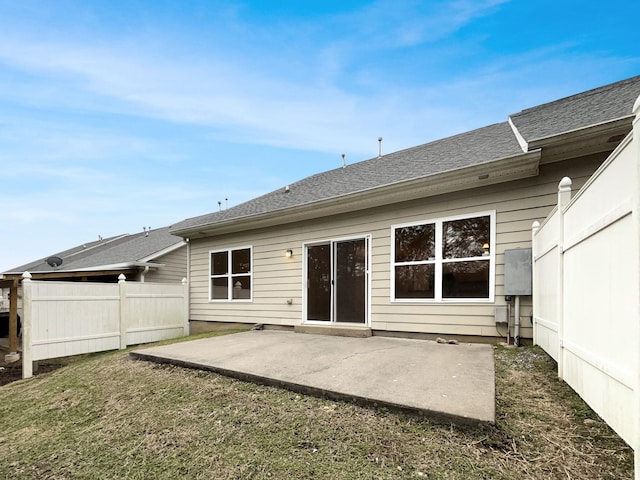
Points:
x=501, y=146
x=121, y=251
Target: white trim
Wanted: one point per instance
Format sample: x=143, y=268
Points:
x=331, y=242
x=439, y=262
x=99, y=268
x=230, y=276
x=523, y=143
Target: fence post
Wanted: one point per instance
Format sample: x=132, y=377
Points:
x=185, y=293
x=123, y=319
x=636, y=222
x=27, y=318
x=534, y=230
x=564, y=196
x=13, y=355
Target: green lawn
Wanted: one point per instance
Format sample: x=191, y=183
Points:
x=106, y=417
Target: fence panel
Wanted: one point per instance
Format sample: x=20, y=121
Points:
x=70, y=318
x=596, y=277
x=545, y=287
x=601, y=283
x=73, y=318
x=154, y=312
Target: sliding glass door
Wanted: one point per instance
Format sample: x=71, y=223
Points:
x=337, y=281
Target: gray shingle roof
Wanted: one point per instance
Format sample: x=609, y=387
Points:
x=483, y=145
x=122, y=249
x=603, y=104
x=470, y=148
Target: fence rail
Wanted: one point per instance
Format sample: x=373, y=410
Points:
x=586, y=296
x=70, y=318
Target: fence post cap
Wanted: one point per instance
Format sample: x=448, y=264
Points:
x=26, y=276
x=565, y=183
x=184, y=281
x=121, y=278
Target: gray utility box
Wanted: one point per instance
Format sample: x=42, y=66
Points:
x=517, y=271
x=502, y=314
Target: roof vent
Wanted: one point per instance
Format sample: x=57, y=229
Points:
x=344, y=162
x=286, y=189
x=379, y=147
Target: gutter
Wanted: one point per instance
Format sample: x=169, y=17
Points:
x=615, y=126
x=116, y=266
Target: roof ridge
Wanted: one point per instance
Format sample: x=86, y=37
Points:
x=99, y=243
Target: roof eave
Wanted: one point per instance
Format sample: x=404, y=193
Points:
x=583, y=132
x=496, y=171
x=97, y=268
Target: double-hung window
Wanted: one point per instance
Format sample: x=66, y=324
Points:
x=230, y=274
x=444, y=259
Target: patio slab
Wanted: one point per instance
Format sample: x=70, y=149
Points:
x=450, y=383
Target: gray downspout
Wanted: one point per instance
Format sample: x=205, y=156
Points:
x=143, y=273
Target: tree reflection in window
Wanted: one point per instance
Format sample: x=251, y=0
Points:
x=443, y=259
x=417, y=242
x=465, y=238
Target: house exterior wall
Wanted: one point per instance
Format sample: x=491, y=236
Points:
x=277, y=279
x=174, y=270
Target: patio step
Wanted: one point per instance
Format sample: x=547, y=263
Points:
x=339, y=331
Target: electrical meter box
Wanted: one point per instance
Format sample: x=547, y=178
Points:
x=517, y=271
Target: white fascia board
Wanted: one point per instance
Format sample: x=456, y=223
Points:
x=578, y=133
x=523, y=143
x=114, y=266
x=497, y=171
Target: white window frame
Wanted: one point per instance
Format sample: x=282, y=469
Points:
x=230, y=275
x=438, y=261
x=332, y=241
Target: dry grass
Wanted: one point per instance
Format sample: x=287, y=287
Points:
x=110, y=417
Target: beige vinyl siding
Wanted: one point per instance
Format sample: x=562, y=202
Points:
x=277, y=279
x=174, y=270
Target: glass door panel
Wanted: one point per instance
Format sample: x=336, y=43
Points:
x=350, y=272
x=319, y=283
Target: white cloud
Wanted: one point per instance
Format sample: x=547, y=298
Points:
x=90, y=119
x=225, y=92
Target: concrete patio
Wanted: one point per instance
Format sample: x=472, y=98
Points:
x=448, y=383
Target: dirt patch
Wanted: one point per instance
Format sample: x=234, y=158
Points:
x=10, y=372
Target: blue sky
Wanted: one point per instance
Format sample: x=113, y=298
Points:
x=116, y=115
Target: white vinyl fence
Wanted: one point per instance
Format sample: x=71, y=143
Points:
x=70, y=318
x=586, y=301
